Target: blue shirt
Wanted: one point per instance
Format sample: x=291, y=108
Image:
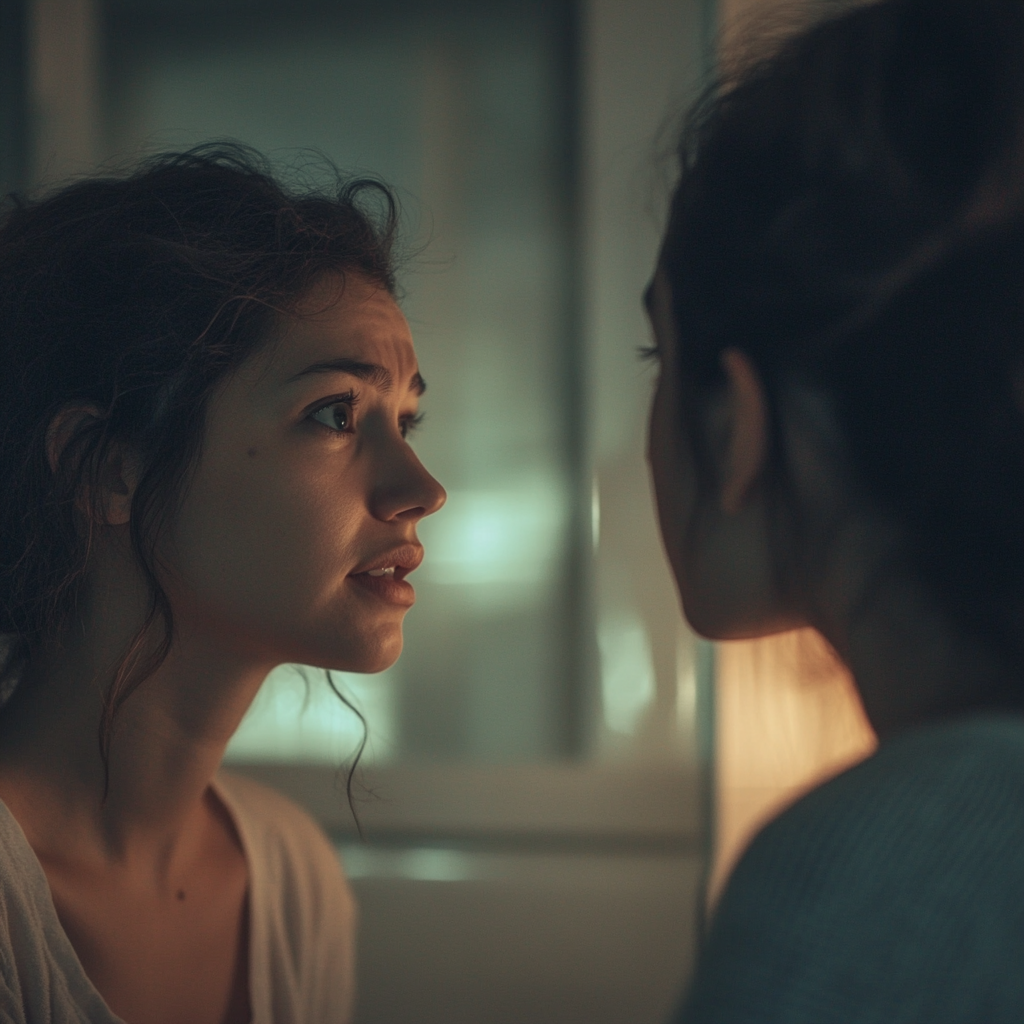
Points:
x=893, y=893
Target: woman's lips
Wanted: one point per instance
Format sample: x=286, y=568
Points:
x=403, y=560
x=384, y=575
x=388, y=588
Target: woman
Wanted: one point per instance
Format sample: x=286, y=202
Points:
x=837, y=440
x=206, y=394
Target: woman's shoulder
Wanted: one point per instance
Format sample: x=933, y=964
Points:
x=41, y=977
x=940, y=801
x=24, y=906
x=922, y=781
x=891, y=892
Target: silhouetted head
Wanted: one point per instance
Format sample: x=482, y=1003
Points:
x=846, y=245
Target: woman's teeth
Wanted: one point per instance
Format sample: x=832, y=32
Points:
x=389, y=571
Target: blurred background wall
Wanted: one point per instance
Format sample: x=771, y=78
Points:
x=556, y=765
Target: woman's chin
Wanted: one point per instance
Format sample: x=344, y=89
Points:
x=722, y=624
x=370, y=655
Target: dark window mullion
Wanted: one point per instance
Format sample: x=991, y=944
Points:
x=14, y=133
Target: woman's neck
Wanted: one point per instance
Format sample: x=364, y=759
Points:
x=165, y=744
x=911, y=661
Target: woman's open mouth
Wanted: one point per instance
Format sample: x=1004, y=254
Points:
x=385, y=575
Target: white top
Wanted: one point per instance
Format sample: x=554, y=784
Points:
x=301, y=923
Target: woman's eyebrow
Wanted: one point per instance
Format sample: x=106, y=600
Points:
x=374, y=374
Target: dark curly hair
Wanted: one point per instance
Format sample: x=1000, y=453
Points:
x=850, y=214
x=136, y=295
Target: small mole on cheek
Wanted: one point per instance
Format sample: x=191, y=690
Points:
x=181, y=894
x=252, y=453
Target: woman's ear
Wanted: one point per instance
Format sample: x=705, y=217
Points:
x=745, y=431
x=116, y=477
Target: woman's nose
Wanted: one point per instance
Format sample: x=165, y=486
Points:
x=407, y=491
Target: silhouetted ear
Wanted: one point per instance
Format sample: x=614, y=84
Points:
x=115, y=478
x=746, y=430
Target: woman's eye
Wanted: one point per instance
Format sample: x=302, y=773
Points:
x=410, y=423
x=337, y=416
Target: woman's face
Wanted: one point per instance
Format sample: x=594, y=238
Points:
x=668, y=454
x=716, y=534
x=299, y=527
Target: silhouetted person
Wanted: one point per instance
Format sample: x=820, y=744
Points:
x=837, y=441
